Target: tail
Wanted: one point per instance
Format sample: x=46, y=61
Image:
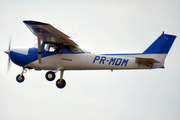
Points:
x=157, y=51
x=161, y=45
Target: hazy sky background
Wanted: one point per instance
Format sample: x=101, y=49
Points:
x=103, y=26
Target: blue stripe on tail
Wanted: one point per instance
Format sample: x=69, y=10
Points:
x=162, y=45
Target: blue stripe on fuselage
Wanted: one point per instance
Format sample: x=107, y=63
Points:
x=33, y=53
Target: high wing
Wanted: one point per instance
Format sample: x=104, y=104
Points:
x=48, y=33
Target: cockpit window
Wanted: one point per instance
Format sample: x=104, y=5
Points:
x=52, y=47
x=76, y=49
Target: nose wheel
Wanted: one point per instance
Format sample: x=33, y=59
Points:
x=20, y=78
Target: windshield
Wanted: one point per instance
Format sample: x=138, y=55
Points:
x=36, y=45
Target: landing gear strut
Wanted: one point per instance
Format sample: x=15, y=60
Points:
x=20, y=77
x=61, y=83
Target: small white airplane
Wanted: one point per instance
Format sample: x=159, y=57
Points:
x=55, y=51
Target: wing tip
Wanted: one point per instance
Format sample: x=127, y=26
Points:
x=34, y=22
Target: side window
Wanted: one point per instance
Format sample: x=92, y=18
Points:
x=46, y=47
x=57, y=48
x=52, y=47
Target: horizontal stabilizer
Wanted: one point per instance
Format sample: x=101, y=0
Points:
x=146, y=61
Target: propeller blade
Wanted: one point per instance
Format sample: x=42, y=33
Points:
x=9, y=44
x=9, y=65
x=8, y=52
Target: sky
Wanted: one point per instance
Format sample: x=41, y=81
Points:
x=99, y=26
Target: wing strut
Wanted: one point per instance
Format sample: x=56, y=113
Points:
x=39, y=45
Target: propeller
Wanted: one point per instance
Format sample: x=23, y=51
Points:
x=8, y=52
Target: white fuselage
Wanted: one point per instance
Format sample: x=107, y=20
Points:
x=91, y=62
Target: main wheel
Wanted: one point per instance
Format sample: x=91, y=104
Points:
x=20, y=78
x=62, y=84
x=50, y=76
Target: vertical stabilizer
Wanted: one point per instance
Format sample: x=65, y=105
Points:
x=160, y=47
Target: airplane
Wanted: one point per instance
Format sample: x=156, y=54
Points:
x=55, y=51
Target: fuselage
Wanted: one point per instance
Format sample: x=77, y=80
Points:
x=90, y=62
x=66, y=59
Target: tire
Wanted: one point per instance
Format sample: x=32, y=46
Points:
x=50, y=76
x=20, y=78
x=62, y=84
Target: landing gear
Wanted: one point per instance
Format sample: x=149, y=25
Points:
x=50, y=76
x=61, y=84
x=20, y=77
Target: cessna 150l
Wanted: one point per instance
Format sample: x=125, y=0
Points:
x=55, y=51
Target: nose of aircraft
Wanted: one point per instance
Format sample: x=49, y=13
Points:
x=7, y=52
x=18, y=56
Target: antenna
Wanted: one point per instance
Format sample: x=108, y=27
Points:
x=95, y=49
x=72, y=34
